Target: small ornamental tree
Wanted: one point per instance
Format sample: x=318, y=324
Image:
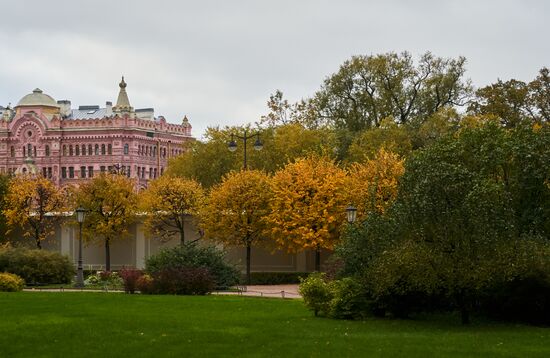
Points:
x=236, y=211
x=308, y=205
x=110, y=200
x=34, y=205
x=168, y=201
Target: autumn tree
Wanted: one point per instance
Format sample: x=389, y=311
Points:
x=110, y=200
x=4, y=185
x=236, y=210
x=373, y=186
x=308, y=205
x=168, y=202
x=367, y=89
x=34, y=204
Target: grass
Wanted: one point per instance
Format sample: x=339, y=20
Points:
x=54, y=324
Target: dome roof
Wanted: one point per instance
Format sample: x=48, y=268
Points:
x=37, y=98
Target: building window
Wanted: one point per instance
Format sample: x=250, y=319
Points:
x=128, y=171
x=126, y=148
x=102, y=169
x=34, y=149
x=77, y=150
x=90, y=172
x=161, y=171
x=96, y=152
x=90, y=149
x=155, y=173
x=64, y=150
x=71, y=150
x=83, y=149
x=24, y=151
x=109, y=149
x=150, y=173
x=64, y=172
x=49, y=172
x=82, y=172
x=103, y=152
x=12, y=151
x=47, y=150
x=71, y=172
x=29, y=150
x=44, y=172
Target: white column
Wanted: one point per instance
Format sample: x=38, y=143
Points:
x=140, y=246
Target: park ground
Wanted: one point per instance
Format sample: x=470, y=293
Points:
x=47, y=324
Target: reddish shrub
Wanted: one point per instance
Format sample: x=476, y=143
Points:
x=145, y=284
x=130, y=278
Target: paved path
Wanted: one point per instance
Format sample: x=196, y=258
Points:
x=277, y=291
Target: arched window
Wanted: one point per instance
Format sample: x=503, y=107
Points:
x=96, y=152
x=29, y=150
x=47, y=150
x=90, y=152
x=24, y=151
x=103, y=152
x=77, y=150
x=12, y=151
x=155, y=151
x=109, y=149
x=71, y=150
x=34, y=148
x=64, y=150
x=126, y=148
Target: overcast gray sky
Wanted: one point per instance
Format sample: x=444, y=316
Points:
x=218, y=61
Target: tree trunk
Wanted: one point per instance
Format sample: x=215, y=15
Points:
x=248, y=264
x=464, y=306
x=37, y=239
x=182, y=237
x=318, y=259
x=107, y=256
x=38, y=244
x=465, y=315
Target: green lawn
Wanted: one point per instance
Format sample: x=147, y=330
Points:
x=71, y=324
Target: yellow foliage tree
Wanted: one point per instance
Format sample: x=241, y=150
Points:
x=372, y=186
x=168, y=201
x=34, y=204
x=236, y=210
x=308, y=205
x=110, y=201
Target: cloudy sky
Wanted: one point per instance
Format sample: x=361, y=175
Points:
x=218, y=61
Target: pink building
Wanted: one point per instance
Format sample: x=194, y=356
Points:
x=70, y=145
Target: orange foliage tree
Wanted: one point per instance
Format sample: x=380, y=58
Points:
x=110, y=201
x=372, y=186
x=168, y=202
x=308, y=205
x=236, y=210
x=34, y=204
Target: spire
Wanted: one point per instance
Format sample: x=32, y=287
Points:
x=122, y=103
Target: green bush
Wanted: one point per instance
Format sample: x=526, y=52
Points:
x=183, y=281
x=349, y=299
x=37, y=266
x=317, y=293
x=10, y=282
x=192, y=255
x=275, y=278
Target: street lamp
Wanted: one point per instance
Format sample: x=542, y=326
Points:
x=351, y=212
x=80, y=215
x=232, y=146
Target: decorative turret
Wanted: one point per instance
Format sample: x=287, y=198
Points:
x=185, y=122
x=122, y=103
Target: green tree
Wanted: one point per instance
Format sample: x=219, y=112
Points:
x=111, y=201
x=367, y=89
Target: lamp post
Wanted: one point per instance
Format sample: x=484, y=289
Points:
x=80, y=215
x=351, y=212
x=232, y=146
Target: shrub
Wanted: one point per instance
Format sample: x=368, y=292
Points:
x=37, y=266
x=104, y=279
x=145, y=284
x=317, y=293
x=130, y=278
x=349, y=299
x=183, y=281
x=523, y=299
x=192, y=255
x=275, y=278
x=10, y=282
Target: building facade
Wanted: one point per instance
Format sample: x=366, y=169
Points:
x=69, y=145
